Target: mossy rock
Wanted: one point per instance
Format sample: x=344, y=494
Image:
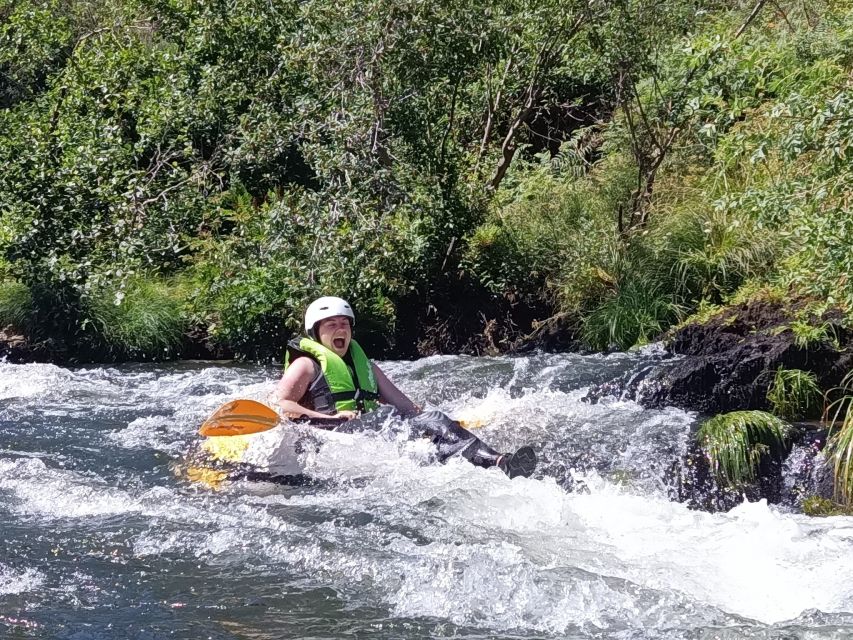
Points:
x=823, y=507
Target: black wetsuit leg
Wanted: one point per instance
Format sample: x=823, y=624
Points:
x=451, y=438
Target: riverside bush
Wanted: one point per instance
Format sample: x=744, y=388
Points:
x=16, y=306
x=251, y=287
x=619, y=165
x=142, y=318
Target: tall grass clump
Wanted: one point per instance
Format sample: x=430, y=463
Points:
x=637, y=311
x=736, y=442
x=713, y=254
x=794, y=394
x=142, y=319
x=839, y=446
x=16, y=306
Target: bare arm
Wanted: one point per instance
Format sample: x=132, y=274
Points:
x=292, y=387
x=390, y=394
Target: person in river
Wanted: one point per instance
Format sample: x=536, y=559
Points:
x=328, y=375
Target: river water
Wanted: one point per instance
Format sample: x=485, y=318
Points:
x=101, y=539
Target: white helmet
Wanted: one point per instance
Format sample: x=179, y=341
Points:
x=326, y=307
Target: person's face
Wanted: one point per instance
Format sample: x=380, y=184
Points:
x=335, y=334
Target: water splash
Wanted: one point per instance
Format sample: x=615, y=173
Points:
x=99, y=532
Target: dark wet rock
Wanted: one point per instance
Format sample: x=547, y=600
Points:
x=15, y=348
x=635, y=383
x=198, y=345
x=554, y=334
x=802, y=473
x=806, y=472
x=729, y=362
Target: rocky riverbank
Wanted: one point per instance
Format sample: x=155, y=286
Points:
x=728, y=362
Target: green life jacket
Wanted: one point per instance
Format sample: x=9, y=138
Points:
x=334, y=389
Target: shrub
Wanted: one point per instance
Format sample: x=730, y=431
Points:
x=637, y=312
x=716, y=253
x=550, y=231
x=251, y=286
x=736, y=442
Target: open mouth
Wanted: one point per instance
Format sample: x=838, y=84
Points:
x=339, y=343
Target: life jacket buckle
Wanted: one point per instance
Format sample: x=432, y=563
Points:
x=359, y=399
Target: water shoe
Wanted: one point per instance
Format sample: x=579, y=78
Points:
x=521, y=463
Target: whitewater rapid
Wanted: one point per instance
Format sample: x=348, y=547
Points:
x=102, y=539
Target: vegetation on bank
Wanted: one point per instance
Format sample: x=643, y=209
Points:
x=738, y=443
x=173, y=165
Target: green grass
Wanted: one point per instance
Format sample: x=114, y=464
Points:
x=736, y=442
x=839, y=446
x=794, y=394
x=636, y=313
x=810, y=334
x=716, y=253
x=16, y=306
x=144, y=319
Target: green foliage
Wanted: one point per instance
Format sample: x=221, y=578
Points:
x=16, y=306
x=499, y=262
x=736, y=442
x=141, y=319
x=544, y=235
x=818, y=507
x=35, y=38
x=637, y=303
x=715, y=254
x=251, y=288
x=812, y=331
x=839, y=445
x=620, y=163
x=794, y=394
x=636, y=314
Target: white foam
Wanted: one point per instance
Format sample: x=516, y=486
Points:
x=14, y=582
x=163, y=433
x=32, y=380
x=57, y=493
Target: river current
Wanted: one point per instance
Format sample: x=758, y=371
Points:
x=100, y=538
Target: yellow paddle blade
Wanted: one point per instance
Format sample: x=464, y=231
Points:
x=472, y=424
x=226, y=448
x=240, y=417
